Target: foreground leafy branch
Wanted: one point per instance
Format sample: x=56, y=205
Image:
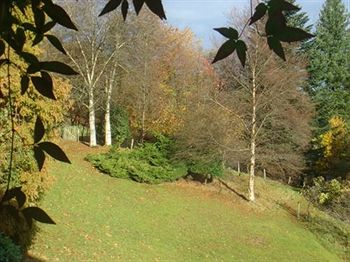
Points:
x=15, y=33
x=276, y=31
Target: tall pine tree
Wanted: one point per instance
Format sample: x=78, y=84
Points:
x=329, y=75
x=329, y=61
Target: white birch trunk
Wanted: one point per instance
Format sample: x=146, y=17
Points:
x=92, y=124
x=251, y=188
x=108, y=131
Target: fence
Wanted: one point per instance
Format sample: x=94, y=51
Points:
x=74, y=133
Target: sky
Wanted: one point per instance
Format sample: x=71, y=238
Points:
x=201, y=16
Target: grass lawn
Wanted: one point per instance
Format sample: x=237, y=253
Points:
x=100, y=218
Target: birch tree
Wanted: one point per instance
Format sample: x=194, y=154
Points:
x=90, y=55
x=112, y=79
x=267, y=99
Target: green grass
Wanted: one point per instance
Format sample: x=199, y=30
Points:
x=100, y=218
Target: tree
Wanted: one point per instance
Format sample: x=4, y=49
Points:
x=329, y=63
x=267, y=99
x=329, y=75
x=13, y=37
x=93, y=52
x=25, y=89
x=334, y=146
x=329, y=51
x=156, y=61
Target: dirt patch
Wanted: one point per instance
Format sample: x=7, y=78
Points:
x=213, y=192
x=81, y=149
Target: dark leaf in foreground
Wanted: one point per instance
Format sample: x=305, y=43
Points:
x=138, y=5
x=39, y=130
x=48, y=79
x=43, y=86
x=225, y=50
x=29, y=58
x=228, y=32
x=17, y=193
x=156, y=7
x=275, y=24
x=56, y=43
x=277, y=6
x=276, y=46
x=54, y=151
x=20, y=38
x=2, y=47
x=260, y=11
x=59, y=15
x=125, y=8
x=37, y=39
x=57, y=67
x=24, y=84
x=292, y=34
x=39, y=157
x=11, y=210
x=38, y=214
x=48, y=26
x=110, y=6
x=39, y=17
x=241, y=49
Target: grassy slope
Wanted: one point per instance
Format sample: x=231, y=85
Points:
x=104, y=219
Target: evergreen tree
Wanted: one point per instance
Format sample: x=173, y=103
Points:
x=329, y=61
x=329, y=51
x=329, y=75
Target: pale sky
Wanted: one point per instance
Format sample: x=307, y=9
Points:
x=204, y=15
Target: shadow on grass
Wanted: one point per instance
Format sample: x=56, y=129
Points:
x=292, y=211
x=31, y=258
x=331, y=232
x=326, y=230
x=233, y=190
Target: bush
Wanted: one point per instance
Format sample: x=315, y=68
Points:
x=25, y=173
x=324, y=192
x=9, y=252
x=332, y=196
x=16, y=227
x=147, y=164
x=209, y=168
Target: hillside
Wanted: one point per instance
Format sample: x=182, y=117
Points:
x=100, y=218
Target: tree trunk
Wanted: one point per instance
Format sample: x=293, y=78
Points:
x=251, y=190
x=108, y=130
x=92, y=123
x=144, y=106
x=143, y=119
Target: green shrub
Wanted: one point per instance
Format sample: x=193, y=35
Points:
x=325, y=192
x=332, y=196
x=147, y=164
x=9, y=252
x=208, y=168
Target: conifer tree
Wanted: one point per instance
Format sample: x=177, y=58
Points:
x=329, y=61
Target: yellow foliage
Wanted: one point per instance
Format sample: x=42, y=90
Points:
x=333, y=142
x=26, y=108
